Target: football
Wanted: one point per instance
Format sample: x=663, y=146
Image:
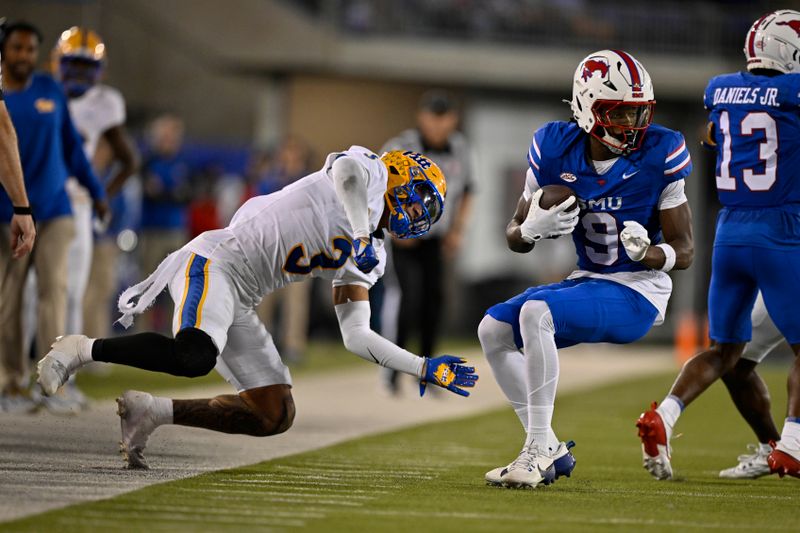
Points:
x=554, y=195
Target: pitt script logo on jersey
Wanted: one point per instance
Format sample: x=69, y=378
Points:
x=44, y=105
x=746, y=95
x=609, y=203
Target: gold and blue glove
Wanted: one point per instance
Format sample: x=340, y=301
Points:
x=447, y=372
x=364, y=254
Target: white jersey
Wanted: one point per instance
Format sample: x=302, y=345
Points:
x=97, y=111
x=300, y=231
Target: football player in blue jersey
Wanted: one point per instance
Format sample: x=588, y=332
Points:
x=755, y=125
x=631, y=225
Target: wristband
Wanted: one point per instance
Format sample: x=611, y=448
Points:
x=669, y=257
x=26, y=210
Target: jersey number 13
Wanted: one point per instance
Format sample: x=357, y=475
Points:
x=767, y=152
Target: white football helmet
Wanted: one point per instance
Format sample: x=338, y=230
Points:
x=773, y=42
x=612, y=99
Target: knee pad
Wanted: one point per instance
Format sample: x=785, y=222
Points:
x=195, y=353
x=494, y=334
x=536, y=314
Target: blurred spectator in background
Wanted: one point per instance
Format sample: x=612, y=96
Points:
x=50, y=151
x=203, y=211
x=292, y=162
x=420, y=263
x=166, y=192
x=22, y=233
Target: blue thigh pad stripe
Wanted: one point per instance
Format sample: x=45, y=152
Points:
x=194, y=294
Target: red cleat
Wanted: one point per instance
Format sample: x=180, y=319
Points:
x=782, y=463
x=655, y=447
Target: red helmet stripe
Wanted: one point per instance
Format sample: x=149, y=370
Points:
x=631, y=64
x=751, y=39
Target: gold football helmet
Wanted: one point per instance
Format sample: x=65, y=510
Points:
x=80, y=54
x=413, y=179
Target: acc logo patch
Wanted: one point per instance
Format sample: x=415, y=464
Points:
x=44, y=105
x=568, y=177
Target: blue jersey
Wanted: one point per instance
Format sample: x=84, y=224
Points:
x=630, y=190
x=50, y=149
x=757, y=131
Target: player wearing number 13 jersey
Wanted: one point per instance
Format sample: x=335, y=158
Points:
x=631, y=225
x=755, y=127
x=328, y=224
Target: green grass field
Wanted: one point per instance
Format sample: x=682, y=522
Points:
x=430, y=478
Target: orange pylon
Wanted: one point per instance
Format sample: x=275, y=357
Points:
x=687, y=333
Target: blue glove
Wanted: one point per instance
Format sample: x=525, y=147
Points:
x=447, y=372
x=364, y=254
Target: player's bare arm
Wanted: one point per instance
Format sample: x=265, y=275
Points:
x=23, y=231
x=676, y=226
x=533, y=222
x=124, y=154
x=513, y=234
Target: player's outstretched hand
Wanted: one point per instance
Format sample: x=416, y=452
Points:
x=553, y=222
x=364, y=253
x=635, y=240
x=447, y=372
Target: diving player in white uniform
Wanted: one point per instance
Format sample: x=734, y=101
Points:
x=329, y=224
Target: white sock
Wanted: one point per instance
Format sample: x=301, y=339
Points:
x=162, y=410
x=790, y=436
x=764, y=448
x=85, y=350
x=506, y=362
x=670, y=409
x=541, y=365
x=552, y=441
x=540, y=434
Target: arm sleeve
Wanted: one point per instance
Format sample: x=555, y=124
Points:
x=350, y=180
x=531, y=185
x=672, y=195
x=362, y=341
x=75, y=157
x=534, y=163
x=678, y=162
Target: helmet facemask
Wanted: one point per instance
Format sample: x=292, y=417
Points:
x=621, y=125
x=414, y=206
x=78, y=74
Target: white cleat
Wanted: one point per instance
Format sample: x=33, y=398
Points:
x=137, y=421
x=530, y=469
x=751, y=466
x=563, y=463
x=495, y=477
x=59, y=364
